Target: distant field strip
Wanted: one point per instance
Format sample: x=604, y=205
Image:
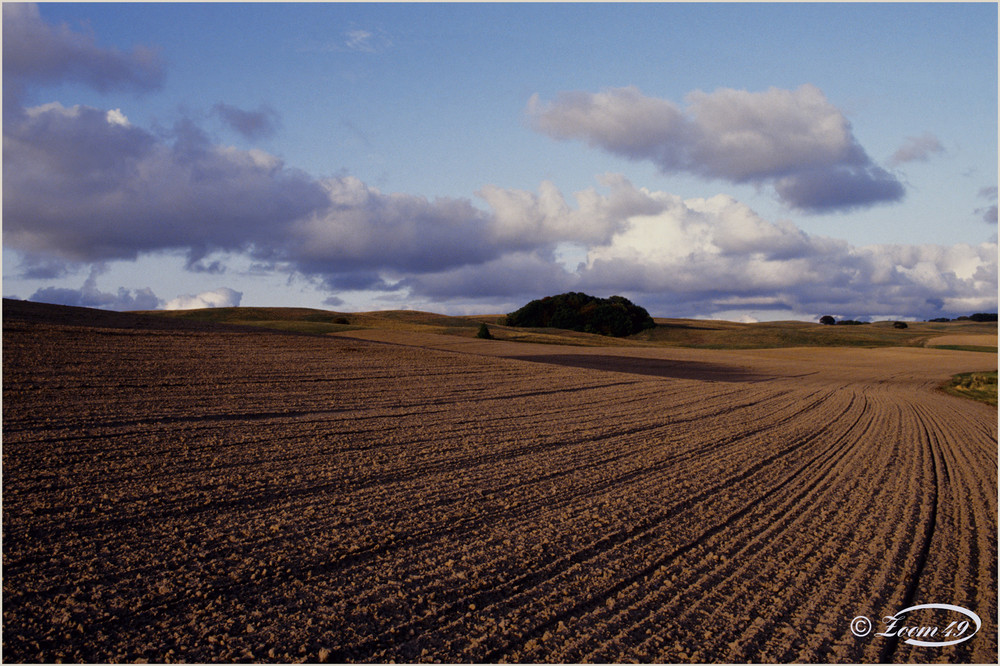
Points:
x=221, y=496
x=972, y=342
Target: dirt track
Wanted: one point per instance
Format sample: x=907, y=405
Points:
x=201, y=496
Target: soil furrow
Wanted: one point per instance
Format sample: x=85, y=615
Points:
x=212, y=496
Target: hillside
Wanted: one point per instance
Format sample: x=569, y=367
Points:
x=696, y=333
x=669, y=332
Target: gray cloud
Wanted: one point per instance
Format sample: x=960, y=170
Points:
x=85, y=185
x=40, y=267
x=39, y=53
x=199, y=266
x=519, y=274
x=839, y=188
x=364, y=229
x=794, y=139
x=333, y=301
x=258, y=124
x=91, y=297
x=989, y=213
x=917, y=149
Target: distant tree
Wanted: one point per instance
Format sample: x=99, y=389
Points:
x=984, y=316
x=850, y=322
x=939, y=320
x=616, y=316
x=484, y=332
x=827, y=320
x=899, y=324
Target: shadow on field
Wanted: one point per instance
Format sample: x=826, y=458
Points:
x=650, y=366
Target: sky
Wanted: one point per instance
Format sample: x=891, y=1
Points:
x=741, y=161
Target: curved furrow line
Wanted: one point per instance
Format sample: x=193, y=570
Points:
x=977, y=472
x=924, y=529
x=731, y=562
x=574, y=563
x=858, y=543
x=819, y=635
x=954, y=572
x=658, y=558
x=793, y=512
x=857, y=434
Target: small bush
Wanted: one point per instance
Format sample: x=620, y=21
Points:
x=484, y=332
x=899, y=324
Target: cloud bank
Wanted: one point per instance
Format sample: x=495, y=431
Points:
x=696, y=257
x=83, y=185
x=89, y=296
x=793, y=140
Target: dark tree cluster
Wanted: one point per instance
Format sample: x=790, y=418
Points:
x=830, y=321
x=978, y=317
x=616, y=316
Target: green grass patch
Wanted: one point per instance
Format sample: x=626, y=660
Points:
x=981, y=386
x=972, y=348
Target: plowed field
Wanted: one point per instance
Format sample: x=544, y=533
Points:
x=185, y=494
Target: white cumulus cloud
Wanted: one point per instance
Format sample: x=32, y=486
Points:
x=223, y=297
x=702, y=256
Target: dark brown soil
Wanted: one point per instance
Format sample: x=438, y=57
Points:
x=173, y=492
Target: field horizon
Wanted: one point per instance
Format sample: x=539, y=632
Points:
x=397, y=489
x=669, y=332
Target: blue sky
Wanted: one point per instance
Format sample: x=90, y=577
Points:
x=746, y=161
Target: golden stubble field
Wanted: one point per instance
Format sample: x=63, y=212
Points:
x=175, y=491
